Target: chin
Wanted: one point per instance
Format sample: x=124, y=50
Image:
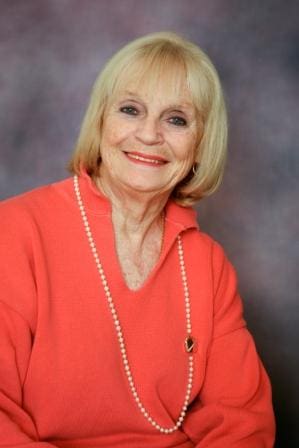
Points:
x=144, y=187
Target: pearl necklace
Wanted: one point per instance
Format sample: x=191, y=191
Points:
x=189, y=341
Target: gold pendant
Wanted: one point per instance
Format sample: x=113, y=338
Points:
x=189, y=344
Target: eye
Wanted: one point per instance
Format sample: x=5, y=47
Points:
x=178, y=121
x=129, y=110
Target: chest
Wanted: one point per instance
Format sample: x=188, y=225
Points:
x=136, y=260
x=77, y=359
x=76, y=356
x=136, y=265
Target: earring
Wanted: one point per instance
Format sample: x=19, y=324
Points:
x=194, y=168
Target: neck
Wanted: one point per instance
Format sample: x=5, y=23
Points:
x=135, y=215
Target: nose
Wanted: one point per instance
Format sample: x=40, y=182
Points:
x=149, y=131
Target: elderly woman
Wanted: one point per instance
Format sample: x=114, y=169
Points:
x=121, y=325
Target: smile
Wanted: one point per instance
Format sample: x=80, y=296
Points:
x=145, y=159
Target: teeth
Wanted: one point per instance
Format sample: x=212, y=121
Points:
x=143, y=159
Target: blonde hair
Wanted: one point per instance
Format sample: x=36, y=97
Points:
x=149, y=56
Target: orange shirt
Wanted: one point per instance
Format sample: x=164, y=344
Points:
x=62, y=381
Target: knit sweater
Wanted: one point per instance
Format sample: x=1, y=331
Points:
x=62, y=381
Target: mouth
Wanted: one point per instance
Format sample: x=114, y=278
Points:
x=146, y=159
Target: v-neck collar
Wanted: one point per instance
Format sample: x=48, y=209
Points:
x=178, y=219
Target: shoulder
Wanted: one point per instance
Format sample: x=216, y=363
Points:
x=23, y=207
x=202, y=242
x=35, y=196
x=25, y=216
x=197, y=243
x=207, y=257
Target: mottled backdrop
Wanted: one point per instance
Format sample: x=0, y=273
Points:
x=50, y=54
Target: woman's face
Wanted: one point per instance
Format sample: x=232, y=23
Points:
x=148, y=138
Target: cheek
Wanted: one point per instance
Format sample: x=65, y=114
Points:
x=185, y=148
x=109, y=136
x=114, y=132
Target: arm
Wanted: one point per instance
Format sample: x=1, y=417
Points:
x=16, y=426
x=234, y=408
x=17, y=321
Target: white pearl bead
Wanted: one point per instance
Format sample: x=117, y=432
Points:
x=118, y=326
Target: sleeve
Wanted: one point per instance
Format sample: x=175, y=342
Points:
x=234, y=407
x=17, y=428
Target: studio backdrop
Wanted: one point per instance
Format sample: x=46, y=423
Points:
x=51, y=52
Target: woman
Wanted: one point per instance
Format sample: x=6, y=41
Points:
x=121, y=325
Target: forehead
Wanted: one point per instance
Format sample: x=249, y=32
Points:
x=166, y=83
x=160, y=94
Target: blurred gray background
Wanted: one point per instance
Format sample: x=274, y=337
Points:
x=51, y=52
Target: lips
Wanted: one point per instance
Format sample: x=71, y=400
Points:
x=146, y=159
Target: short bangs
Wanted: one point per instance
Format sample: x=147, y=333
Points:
x=158, y=64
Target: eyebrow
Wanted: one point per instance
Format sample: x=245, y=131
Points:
x=175, y=106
